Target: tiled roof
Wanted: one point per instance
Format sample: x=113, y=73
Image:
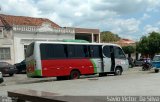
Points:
x=1, y=23
x=23, y=20
x=125, y=42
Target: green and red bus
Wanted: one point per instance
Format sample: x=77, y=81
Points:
x=70, y=59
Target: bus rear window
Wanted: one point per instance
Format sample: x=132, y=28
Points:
x=30, y=50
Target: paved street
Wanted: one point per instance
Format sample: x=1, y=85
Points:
x=132, y=82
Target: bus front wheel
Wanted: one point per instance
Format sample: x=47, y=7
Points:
x=118, y=71
x=75, y=74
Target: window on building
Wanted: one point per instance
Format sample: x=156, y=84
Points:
x=95, y=38
x=1, y=33
x=5, y=54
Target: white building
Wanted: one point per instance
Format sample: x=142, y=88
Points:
x=16, y=32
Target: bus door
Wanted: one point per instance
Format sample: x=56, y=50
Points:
x=112, y=58
x=96, y=58
x=108, y=58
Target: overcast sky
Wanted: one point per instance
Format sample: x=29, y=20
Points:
x=127, y=18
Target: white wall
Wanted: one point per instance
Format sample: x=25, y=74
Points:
x=25, y=38
x=9, y=44
x=18, y=50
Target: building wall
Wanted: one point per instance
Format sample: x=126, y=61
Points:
x=7, y=43
x=25, y=38
x=19, y=36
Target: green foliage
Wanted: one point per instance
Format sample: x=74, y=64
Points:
x=149, y=44
x=128, y=49
x=108, y=36
x=143, y=45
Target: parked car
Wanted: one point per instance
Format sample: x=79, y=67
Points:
x=138, y=62
x=7, y=68
x=131, y=62
x=21, y=67
x=156, y=63
x=1, y=78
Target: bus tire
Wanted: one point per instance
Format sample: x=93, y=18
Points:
x=75, y=74
x=118, y=71
x=156, y=70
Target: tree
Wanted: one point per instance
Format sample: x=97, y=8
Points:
x=128, y=50
x=108, y=36
x=143, y=45
x=149, y=45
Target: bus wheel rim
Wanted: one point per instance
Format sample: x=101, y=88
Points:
x=75, y=75
x=118, y=72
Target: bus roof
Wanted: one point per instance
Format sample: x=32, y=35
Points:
x=52, y=42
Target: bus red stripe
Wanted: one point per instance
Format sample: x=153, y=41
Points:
x=63, y=67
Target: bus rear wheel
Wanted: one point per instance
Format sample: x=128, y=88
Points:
x=75, y=74
x=118, y=71
x=156, y=70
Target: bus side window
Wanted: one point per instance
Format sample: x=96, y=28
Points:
x=52, y=51
x=70, y=51
x=119, y=53
x=95, y=51
x=86, y=51
x=106, y=51
x=76, y=51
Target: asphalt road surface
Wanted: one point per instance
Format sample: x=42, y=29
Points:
x=133, y=82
